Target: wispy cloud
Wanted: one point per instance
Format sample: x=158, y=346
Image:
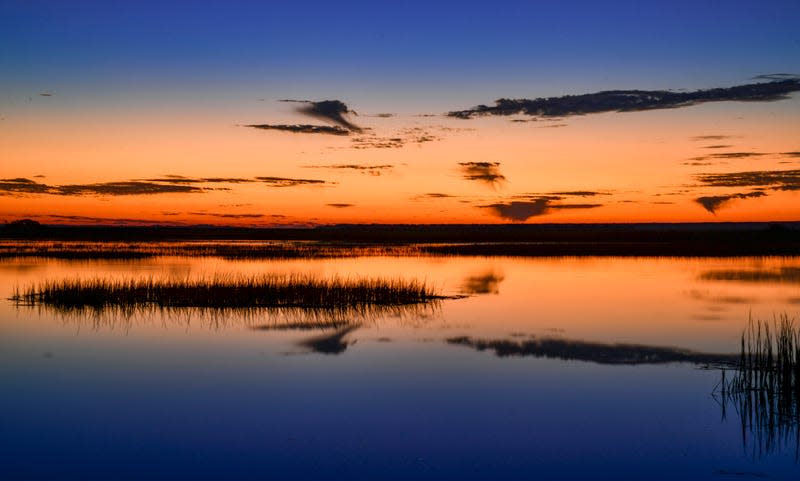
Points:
x=27, y=186
x=730, y=155
x=223, y=215
x=371, y=169
x=632, y=100
x=774, y=179
x=339, y=205
x=179, y=179
x=290, y=182
x=303, y=128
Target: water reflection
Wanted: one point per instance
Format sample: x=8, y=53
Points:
x=257, y=319
x=484, y=283
x=575, y=350
x=330, y=343
x=783, y=274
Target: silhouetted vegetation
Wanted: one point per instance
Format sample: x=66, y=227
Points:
x=225, y=293
x=701, y=240
x=765, y=387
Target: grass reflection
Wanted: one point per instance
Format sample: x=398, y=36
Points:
x=765, y=387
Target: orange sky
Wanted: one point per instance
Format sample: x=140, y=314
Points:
x=635, y=164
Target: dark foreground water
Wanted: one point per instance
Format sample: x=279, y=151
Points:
x=523, y=379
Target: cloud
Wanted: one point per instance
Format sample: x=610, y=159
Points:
x=580, y=193
x=717, y=146
x=229, y=216
x=123, y=188
x=303, y=128
x=289, y=182
x=21, y=185
x=775, y=179
x=776, y=76
x=27, y=186
x=409, y=135
x=486, y=172
x=103, y=220
x=340, y=206
x=730, y=155
x=600, y=353
x=330, y=110
x=374, y=169
x=433, y=195
x=715, y=202
x=701, y=138
x=520, y=211
x=179, y=179
x=631, y=100
x=791, y=154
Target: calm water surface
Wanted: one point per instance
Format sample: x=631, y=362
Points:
x=418, y=394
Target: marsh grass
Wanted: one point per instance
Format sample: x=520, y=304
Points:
x=225, y=292
x=765, y=386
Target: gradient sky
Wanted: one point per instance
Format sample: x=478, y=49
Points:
x=138, y=91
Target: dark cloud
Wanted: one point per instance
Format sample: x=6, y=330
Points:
x=289, y=182
x=229, y=216
x=701, y=138
x=601, y=353
x=632, y=100
x=791, y=154
x=303, y=128
x=433, y=195
x=717, y=146
x=179, y=179
x=520, y=211
x=123, y=188
x=776, y=76
x=375, y=169
x=730, y=155
x=715, y=202
x=27, y=186
x=486, y=172
x=410, y=135
x=775, y=179
x=580, y=193
x=103, y=220
x=330, y=110
x=21, y=185
x=340, y=206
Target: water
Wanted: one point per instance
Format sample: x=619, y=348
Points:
x=170, y=395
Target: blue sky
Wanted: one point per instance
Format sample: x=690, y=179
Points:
x=417, y=52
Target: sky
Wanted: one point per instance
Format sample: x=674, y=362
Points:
x=177, y=112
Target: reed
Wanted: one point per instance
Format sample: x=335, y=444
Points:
x=231, y=292
x=765, y=386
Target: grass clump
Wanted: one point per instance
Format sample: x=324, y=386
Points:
x=765, y=387
x=291, y=291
